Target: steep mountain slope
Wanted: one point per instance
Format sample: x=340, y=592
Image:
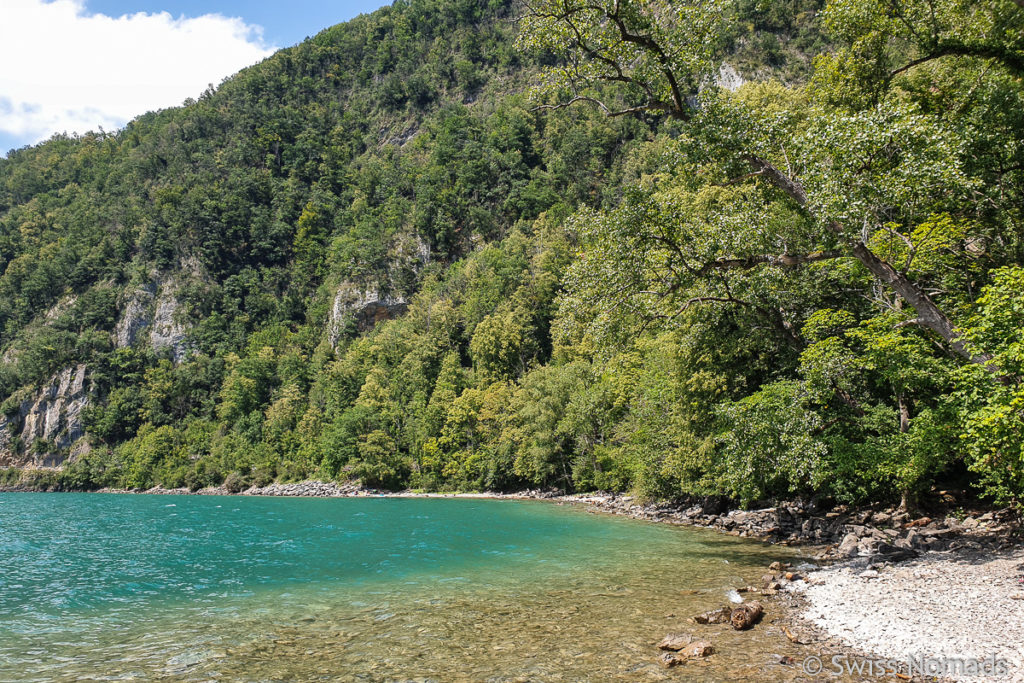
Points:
x=307, y=197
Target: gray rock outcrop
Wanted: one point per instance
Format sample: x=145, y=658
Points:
x=53, y=414
x=167, y=332
x=728, y=78
x=135, y=316
x=366, y=308
x=154, y=307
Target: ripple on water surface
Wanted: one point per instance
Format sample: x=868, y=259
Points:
x=119, y=587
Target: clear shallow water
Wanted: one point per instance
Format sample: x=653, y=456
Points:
x=121, y=587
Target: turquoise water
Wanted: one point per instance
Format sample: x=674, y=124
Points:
x=120, y=587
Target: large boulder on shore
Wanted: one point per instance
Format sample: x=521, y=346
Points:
x=849, y=546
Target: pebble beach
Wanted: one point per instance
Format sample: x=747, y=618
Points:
x=952, y=607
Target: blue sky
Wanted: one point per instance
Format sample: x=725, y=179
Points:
x=284, y=22
x=108, y=61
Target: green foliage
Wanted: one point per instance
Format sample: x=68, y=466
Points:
x=769, y=445
x=994, y=410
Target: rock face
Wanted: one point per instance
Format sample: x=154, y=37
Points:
x=135, y=316
x=728, y=78
x=153, y=307
x=54, y=415
x=366, y=307
x=167, y=332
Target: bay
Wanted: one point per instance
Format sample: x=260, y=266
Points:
x=134, y=587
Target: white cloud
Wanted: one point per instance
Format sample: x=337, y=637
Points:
x=63, y=69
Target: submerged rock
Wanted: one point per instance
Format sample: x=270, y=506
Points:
x=675, y=641
x=715, y=616
x=671, y=659
x=694, y=650
x=701, y=648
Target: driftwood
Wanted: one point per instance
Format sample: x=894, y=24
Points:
x=746, y=615
x=792, y=637
x=715, y=616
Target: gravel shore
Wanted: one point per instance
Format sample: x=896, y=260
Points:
x=951, y=606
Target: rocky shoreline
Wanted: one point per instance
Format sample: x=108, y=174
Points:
x=883, y=535
x=913, y=597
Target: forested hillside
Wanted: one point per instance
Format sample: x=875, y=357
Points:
x=758, y=249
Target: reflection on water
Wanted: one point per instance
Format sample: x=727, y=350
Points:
x=448, y=590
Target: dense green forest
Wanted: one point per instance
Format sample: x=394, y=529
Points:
x=738, y=247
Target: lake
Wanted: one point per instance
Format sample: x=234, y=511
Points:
x=136, y=587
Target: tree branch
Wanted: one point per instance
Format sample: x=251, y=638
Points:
x=791, y=187
x=680, y=111
x=928, y=313
x=778, y=261
x=1013, y=61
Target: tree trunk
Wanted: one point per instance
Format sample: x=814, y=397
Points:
x=904, y=414
x=907, y=498
x=928, y=314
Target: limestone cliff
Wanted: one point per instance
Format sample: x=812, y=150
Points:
x=153, y=307
x=168, y=332
x=47, y=426
x=364, y=308
x=134, y=315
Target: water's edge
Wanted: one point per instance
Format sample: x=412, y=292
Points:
x=708, y=512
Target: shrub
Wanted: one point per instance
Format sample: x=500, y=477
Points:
x=236, y=482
